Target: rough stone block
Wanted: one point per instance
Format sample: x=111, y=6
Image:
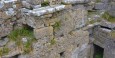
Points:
x=43, y=32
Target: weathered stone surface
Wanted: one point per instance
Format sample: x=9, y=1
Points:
x=3, y=41
x=5, y=28
x=101, y=6
x=75, y=1
x=46, y=10
x=43, y=32
x=63, y=47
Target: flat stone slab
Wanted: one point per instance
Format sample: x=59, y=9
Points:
x=75, y=1
x=45, y=10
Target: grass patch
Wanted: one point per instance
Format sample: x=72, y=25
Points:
x=53, y=41
x=108, y=17
x=98, y=1
x=18, y=34
x=57, y=25
x=93, y=21
x=113, y=34
x=4, y=51
x=45, y=3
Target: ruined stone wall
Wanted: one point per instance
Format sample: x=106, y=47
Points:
x=55, y=25
x=52, y=28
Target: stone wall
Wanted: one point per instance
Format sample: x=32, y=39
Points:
x=54, y=28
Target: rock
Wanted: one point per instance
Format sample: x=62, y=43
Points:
x=35, y=2
x=46, y=10
x=107, y=24
x=75, y=1
x=101, y=6
x=26, y=4
x=5, y=28
x=3, y=41
x=105, y=1
x=23, y=56
x=1, y=5
x=34, y=22
x=44, y=32
x=81, y=52
x=36, y=6
x=24, y=40
x=10, y=12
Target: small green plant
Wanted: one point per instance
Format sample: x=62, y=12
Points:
x=63, y=3
x=108, y=17
x=27, y=47
x=17, y=36
x=113, y=34
x=98, y=1
x=57, y=25
x=45, y=3
x=53, y=41
x=4, y=51
x=92, y=22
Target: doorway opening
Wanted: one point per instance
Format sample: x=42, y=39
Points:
x=98, y=51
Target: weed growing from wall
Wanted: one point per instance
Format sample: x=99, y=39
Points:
x=18, y=34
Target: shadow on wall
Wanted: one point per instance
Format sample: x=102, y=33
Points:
x=98, y=51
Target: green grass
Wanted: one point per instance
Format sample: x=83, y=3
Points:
x=57, y=25
x=45, y=3
x=93, y=21
x=53, y=41
x=113, y=34
x=4, y=51
x=98, y=1
x=18, y=34
x=99, y=55
x=108, y=17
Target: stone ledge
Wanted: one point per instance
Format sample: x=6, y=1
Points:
x=44, y=10
x=75, y=1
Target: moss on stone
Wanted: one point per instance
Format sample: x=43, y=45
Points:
x=53, y=41
x=98, y=1
x=4, y=51
x=46, y=3
x=108, y=17
x=57, y=25
x=113, y=34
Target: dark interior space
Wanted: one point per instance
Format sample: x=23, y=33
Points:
x=98, y=51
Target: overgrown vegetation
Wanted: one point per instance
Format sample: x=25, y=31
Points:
x=57, y=25
x=18, y=34
x=53, y=41
x=108, y=17
x=45, y=3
